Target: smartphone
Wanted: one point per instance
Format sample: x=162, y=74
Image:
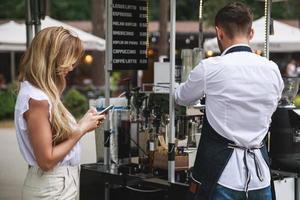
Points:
x=105, y=110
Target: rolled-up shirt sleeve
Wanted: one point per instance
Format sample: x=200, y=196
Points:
x=189, y=92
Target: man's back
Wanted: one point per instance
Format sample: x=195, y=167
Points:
x=242, y=91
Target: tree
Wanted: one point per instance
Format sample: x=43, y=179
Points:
x=47, y=7
x=98, y=22
x=288, y=9
x=12, y=9
x=60, y=9
x=163, y=27
x=70, y=10
x=186, y=9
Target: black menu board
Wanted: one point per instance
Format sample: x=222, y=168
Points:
x=129, y=34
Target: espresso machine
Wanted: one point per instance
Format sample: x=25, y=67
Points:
x=285, y=130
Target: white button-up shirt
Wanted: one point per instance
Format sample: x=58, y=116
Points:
x=242, y=90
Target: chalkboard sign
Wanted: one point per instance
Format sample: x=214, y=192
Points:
x=129, y=34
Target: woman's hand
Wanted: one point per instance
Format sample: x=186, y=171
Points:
x=90, y=121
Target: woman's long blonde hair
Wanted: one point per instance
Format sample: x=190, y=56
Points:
x=53, y=52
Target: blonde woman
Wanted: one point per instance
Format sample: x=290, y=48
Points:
x=47, y=133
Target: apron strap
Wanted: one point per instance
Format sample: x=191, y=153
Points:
x=250, y=151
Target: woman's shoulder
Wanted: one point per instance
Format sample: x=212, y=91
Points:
x=28, y=89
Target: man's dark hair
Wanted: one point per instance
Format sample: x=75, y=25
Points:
x=234, y=18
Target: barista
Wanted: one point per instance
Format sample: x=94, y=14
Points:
x=242, y=91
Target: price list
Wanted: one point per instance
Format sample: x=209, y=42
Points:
x=129, y=34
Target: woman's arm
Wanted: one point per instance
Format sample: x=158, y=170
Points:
x=40, y=134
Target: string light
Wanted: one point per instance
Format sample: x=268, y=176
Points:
x=267, y=28
x=201, y=9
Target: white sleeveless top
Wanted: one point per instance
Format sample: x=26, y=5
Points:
x=26, y=92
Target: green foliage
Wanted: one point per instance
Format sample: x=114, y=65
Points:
x=75, y=102
x=189, y=9
x=70, y=9
x=114, y=80
x=153, y=10
x=297, y=101
x=7, y=102
x=12, y=9
x=186, y=9
x=59, y=9
x=288, y=9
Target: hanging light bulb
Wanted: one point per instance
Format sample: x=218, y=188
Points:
x=209, y=53
x=88, y=59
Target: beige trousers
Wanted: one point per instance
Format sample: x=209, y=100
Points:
x=61, y=183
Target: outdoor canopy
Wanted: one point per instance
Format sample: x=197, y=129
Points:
x=13, y=35
x=285, y=39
